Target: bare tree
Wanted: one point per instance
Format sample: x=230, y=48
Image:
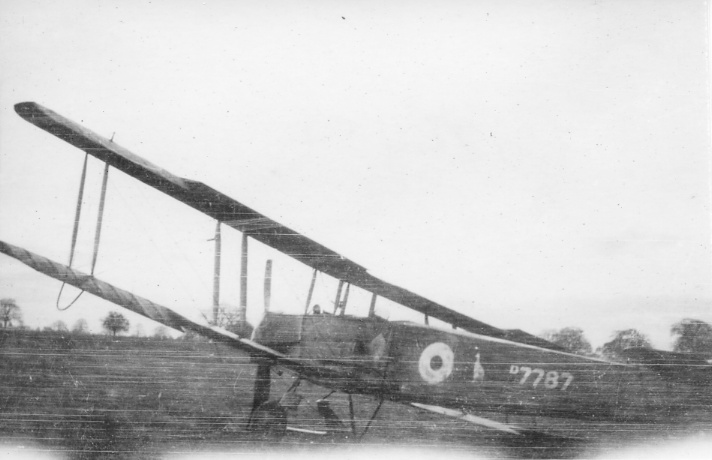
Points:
x=115, y=323
x=229, y=318
x=10, y=313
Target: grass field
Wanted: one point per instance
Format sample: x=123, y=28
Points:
x=87, y=396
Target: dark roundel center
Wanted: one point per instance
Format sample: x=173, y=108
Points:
x=436, y=362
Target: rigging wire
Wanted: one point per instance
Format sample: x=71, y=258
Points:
x=75, y=231
x=78, y=212
x=100, y=217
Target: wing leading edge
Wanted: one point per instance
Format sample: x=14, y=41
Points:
x=145, y=307
x=245, y=219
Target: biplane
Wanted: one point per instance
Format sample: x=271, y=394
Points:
x=469, y=370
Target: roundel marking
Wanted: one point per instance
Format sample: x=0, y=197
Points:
x=436, y=363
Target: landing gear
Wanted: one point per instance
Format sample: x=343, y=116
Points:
x=334, y=425
x=331, y=420
x=269, y=416
x=269, y=420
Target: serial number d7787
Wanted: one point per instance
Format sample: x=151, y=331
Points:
x=536, y=376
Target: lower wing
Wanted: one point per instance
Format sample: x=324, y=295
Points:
x=145, y=307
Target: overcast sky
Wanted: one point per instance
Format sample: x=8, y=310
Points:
x=534, y=164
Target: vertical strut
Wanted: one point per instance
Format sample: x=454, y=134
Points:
x=337, y=302
x=268, y=284
x=242, y=311
x=311, y=292
x=216, y=274
x=372, y=308
x=346, y=299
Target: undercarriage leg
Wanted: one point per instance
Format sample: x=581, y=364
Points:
x=262, y=385
x=268, y=418
x=373, y=417
x=351, y=414
x=291, y=399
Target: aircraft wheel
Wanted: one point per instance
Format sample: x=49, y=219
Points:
x=269, y=420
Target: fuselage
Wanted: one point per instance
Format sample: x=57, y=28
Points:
x=408, y=362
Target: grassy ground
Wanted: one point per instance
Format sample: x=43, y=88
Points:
x=85, y=396
x=93, y=393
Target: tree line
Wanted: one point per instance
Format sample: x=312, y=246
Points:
x=114, y=323
x=690, y=335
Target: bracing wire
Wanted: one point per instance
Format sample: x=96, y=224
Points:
x=97, y=234
x=77, y=215
x=75, y=231
x=78, y=212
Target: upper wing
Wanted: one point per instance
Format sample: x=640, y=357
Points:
x=265, y=230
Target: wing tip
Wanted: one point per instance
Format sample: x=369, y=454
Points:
x=27, y=109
